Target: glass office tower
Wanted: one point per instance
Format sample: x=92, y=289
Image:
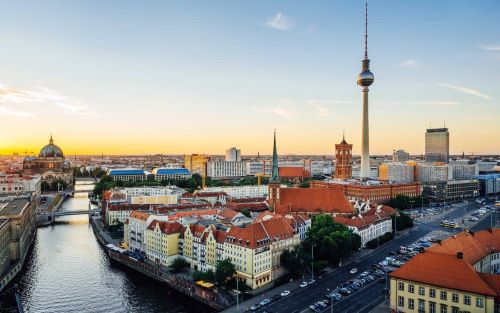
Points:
x=437, y=145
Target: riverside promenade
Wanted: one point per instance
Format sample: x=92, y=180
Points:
x=218, y=300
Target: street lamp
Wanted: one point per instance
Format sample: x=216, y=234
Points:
x=312, y=261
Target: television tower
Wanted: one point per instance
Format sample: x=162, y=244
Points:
x=365, y=79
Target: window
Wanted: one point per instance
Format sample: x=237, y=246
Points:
x=467, y=300
x=421, y=291
x=444, y=308
x=421, y=305
x=443, y=295
x=411, y=304
x=401, y=286
x=454, y=297
x=432, y=293
x=411, y=288
x=401, y=301
x=479, y=302
x=455, y=309
x=432, y=307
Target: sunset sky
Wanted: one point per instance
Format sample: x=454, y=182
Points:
x=144, y=77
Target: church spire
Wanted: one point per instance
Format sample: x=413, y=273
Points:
x=275, y=177
x=51, y=141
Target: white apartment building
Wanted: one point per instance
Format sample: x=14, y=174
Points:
x=486, y=166
x=356, y=171
x=396, y=172
x=128, y=174
x=427, y=172
x=169, y=173
x=222, y=169
x=233, y=155
x=462, y=170
x=15, y=183
x=400, y=156
x=135, y=229
x=258, y=167
x=240, y=192
x=319, y=167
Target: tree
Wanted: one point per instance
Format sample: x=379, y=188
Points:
x=304, y=184
x=295, y=261
x=246, y=213
x=208, y=276
x=224, y=270
x=332, y=241
x=178, y=265
x=403, y=221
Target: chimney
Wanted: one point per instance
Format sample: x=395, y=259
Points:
x=471, y=232
x=490, y=229
x=439, y=241
x=460, y=255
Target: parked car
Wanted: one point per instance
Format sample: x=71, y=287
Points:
x=353, y=271
x=303, y=284
x=311, y=281
x=264, y=302
x=255, y=307
x=285, y=293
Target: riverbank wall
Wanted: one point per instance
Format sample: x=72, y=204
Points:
x=208, y=297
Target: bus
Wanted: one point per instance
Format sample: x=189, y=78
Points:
x=449, y=224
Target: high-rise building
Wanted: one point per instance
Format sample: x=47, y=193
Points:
x=343, y=154
x=197, y=163
x=400, y=156
x=233, y=155
x=437, y=145
x=365, y=79
x=438, y=172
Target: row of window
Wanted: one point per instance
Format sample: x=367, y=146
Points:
x=432, y=306
x=443, y=295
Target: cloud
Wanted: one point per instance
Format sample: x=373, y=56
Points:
x=280, y=22
x=466, y=90
x=279, y=111
x=409, y=64
x=8, y=112
x=443, y=103
x=490, y=47
x=46, y=95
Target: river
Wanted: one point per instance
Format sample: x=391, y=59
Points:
x=67, y=271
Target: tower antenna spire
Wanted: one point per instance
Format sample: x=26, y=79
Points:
x=366, y=29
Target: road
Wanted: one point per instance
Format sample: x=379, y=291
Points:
x=365, y=299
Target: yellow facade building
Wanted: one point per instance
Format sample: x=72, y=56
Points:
x=162, y=241
x=453, y=276
x=197, y=163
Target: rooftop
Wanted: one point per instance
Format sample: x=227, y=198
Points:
x=13, y=207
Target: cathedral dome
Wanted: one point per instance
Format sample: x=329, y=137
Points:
x=51, y=151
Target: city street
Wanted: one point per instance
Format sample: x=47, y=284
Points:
x=371, y=294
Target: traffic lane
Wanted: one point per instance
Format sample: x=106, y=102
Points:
x=360, y=300
x=306, y=296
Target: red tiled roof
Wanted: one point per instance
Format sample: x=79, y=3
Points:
x=210, y=194
x=367, y=218
x=228, y=213
x=182, y=214
x=443, y=270
x=297, y=219
x=247, y=200
x=327, y=200
x=140, y=215
x=197, y=230
x=493, y=280
x=254, y=206
x=167, y=228
x=261, y=233
x=290, y=171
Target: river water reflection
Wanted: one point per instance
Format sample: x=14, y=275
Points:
x=68, y=271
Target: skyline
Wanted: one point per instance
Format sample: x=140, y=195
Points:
x=172, y=85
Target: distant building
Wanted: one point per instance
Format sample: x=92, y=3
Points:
x=241, y=192
x=171, y=174
x=451, y=191
x=258, y=167
x=374, y=191
x=50, y=164
x=293, y=174
x=459, y=274
x=461, y=170
x=343, y=155
x=372, y=174
x=400, y=156
x=426, y=172
x=396, y=172
x=486, y=166
x=197, y=163
x=490, y=184
x=437, y=145
x=225, y=169
x=233, y=155
x=128, y=174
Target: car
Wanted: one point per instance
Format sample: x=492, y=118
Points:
x=303, y=284
x=321, y=304
x=285, y=293
x=275, y=297
x=345, y=291
x=255, y=307
x=314, y=308
x=381, y=280
x=264, y=302
x=311, y=281
x=353, y=271
x=364, y=274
